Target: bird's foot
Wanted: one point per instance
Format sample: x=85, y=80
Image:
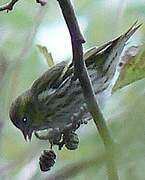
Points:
x=41, y=137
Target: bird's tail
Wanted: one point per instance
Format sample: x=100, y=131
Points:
x=111, y=48
x=102, y=62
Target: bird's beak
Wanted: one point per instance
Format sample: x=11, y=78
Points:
x=27, y=134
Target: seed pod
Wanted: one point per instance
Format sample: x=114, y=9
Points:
x=54, y=136
x=47, y=160
x=71, y=141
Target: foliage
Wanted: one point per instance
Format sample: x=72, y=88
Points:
x=100, y=21
x=46, y=54
x=132, y=67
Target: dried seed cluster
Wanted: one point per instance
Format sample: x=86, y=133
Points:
x=47, y=160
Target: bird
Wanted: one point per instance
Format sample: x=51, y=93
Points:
x=56, y=96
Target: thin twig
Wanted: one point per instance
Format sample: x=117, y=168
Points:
x=8, y=6
x=82, y=74
x=42, y=2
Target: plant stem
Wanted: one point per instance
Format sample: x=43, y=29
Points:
x=81, y=73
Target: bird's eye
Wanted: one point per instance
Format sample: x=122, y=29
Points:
x=25, y=119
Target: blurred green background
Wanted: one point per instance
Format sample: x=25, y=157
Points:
x=21, y=63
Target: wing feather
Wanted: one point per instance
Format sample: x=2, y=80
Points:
x=59, y=72
x=50, y=79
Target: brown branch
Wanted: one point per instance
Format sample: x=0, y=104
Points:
x=8, y=6
x=42, y=2
x=87, y=88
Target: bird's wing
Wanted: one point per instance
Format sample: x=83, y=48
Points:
x=59, y=72
x=50, y=79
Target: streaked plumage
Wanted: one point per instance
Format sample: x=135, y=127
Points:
x=56, y=96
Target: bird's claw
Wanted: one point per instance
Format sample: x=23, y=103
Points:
x=41, y=137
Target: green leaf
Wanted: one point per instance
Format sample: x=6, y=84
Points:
x=46, y=55
x=132, y=67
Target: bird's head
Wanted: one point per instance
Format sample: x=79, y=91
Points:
x=21, y=116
